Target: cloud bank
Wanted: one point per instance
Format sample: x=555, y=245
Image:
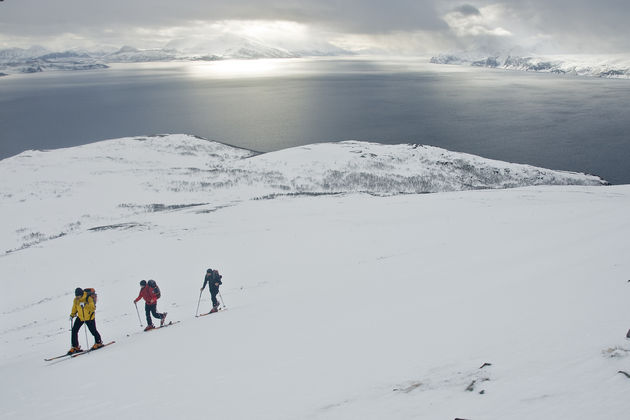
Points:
x=408, y=26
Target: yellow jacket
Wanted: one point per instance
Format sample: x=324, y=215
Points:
x=84, y=307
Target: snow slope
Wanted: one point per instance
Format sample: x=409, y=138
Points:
x=353, y=305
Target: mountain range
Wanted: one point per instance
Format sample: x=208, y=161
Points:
x=610, y=66
x=38, y=59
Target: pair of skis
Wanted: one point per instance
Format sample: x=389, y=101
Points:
x=212, y=312
x=73, y=355
x=77, y=354
x=163, y=326
x=80, y=353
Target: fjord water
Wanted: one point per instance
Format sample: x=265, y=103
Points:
x=555, y=121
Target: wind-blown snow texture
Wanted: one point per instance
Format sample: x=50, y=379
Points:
x=346, y=306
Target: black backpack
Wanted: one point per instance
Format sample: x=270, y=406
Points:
x=155, y=288
x=216, y=277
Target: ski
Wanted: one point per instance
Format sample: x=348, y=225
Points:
x=73, y=354
x=163, y=326
x=62, y=356
x=624, y=373
x=90, y=350
x=209, y=313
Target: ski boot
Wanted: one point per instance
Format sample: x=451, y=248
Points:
x=97, y=346
x=149, y=327
x=214, y=309
x=163, y=318
x=74, y=350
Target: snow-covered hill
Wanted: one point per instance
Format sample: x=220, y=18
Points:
x=168, y=172
x=370, y=304
x=612, y=66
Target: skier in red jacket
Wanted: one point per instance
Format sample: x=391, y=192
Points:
x=150, y=292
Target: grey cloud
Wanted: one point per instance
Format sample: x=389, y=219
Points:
x=368, y=16
x=467, y=10
x=569, y=23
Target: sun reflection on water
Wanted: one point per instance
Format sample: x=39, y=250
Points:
x=238, y=68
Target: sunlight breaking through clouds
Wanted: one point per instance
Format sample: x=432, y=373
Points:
x=319, y=26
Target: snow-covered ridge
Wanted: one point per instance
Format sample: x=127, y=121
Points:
x=52, y=193
x=578, y=65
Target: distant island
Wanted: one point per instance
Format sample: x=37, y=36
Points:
x=609, y=66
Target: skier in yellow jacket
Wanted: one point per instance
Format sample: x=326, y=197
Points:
x=84, y=309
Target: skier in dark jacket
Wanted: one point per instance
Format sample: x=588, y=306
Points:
x=150, y=292
x=213, y=280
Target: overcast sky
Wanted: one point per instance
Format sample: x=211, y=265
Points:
x=398, y=26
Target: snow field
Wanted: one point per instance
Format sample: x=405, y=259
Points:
x=345, y=306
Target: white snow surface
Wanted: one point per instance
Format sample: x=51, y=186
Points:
x=365, y=304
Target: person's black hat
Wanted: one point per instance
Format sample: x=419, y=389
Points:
x=152, y=283
x=143, y=283
x=209, y=270
x=78, y=292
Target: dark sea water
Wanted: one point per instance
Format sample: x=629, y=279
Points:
x=561, y=122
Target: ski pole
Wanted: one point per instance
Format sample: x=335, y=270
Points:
x=138, y=312
x=87, y=344
x=222, y=301
x=197, y=311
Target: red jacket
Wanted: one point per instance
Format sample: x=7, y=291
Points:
x=148, y=295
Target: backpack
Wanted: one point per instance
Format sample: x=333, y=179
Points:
x=216, y=277
x=91, y=292
x=153, y=285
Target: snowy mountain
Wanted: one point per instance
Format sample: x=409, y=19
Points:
x=38, y=59
x=223, y=47
x=228, y=46
x=579, y=65
x=17, y=54
x=129, y=54
x=346, y=299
